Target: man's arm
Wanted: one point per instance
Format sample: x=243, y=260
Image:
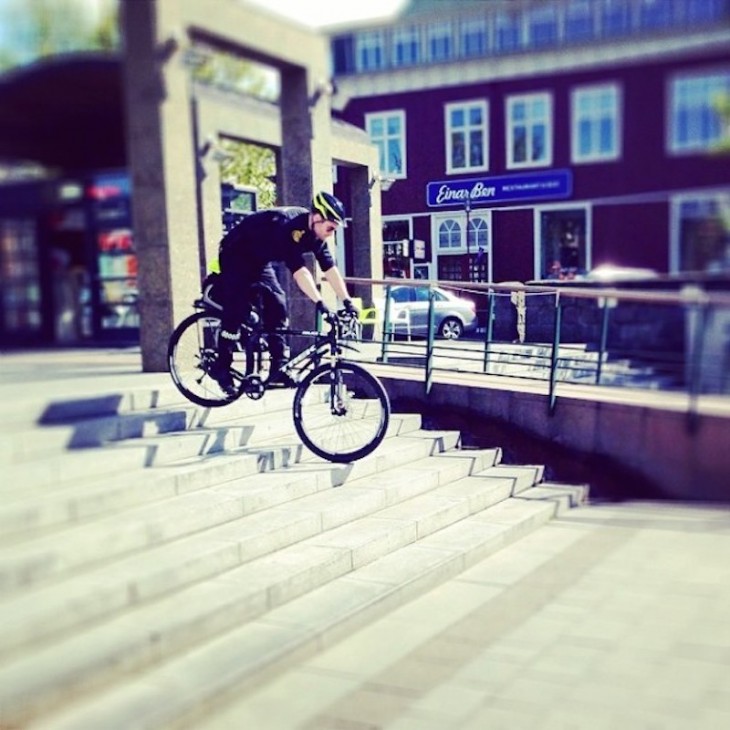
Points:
x=305, y=281
x=335, y=280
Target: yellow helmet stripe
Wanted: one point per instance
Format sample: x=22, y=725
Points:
x=323, y=207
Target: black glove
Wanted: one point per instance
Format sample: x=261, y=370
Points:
x=322, y=308
x=350, y=308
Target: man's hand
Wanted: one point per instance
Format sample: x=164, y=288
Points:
x=350, y=308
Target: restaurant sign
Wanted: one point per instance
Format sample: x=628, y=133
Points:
x=552, y=184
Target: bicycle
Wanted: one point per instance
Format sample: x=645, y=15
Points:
x=340, y=410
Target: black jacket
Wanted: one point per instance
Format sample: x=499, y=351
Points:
x=275, y=234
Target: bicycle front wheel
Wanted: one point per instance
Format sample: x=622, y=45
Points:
x=192, y=354
x=341, y=412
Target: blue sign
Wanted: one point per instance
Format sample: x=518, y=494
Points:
x=501, y=189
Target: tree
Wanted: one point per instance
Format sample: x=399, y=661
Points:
x=40, y=28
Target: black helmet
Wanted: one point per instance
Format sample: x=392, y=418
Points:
x=329, y=207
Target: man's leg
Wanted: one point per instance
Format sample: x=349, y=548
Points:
x=275, y=316
x=231, y=295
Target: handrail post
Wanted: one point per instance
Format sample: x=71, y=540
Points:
x=694, y=386
x=386, y=326
x=603, y=303
x=554, y=355
x=489, y=330
x=429, y=341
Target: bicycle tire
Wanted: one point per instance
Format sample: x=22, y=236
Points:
x=358, y=427
x=191, y=353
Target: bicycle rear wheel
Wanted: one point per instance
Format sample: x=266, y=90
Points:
x=191, y=355
x=341, y=412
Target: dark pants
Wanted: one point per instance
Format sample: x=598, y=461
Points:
x=235, y=294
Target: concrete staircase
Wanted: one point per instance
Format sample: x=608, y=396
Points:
x=159, y=558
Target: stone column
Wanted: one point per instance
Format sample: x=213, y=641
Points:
x=162, y=168
x=366, y=236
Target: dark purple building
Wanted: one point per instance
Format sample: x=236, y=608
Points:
x=532, y=140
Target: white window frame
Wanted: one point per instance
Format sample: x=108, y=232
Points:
x=382, y=143
x=436, y=34
x=547, y=159
x=473, y=31
x=483, y=105
x=594, y=116
x=459, y=217
x=406, y=38
x=370, y=51
x=701, y=102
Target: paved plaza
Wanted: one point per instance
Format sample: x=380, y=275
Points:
x=608, y=616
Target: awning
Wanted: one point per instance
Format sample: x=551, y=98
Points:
x=64, y=112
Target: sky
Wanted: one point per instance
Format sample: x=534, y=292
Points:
x=319, y=13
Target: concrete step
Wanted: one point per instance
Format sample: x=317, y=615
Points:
x=31, y=506
x=381, y=503
x=472, y=637
x=153, y=574
x=181, y=689
x=30, y=562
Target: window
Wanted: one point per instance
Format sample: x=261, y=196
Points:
x=699, y=241
x=543, y=26
x=466, y=136
x=563, y=243
x=406, y=47
x=370, y=51
x=655, y=14
x=595, y=124
x=529, y=130
x=449, y=232
x=508, y=32
x=387, y=132
x=439, y=42
x=578, y=21
x=449, y=235
x=616, y=18
x=473, y=38
x=695, y=119
x=20, y=302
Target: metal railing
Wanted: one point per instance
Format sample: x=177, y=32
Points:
x=672, y=341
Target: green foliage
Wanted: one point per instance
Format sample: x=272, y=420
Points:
x=252, y=165
x=226, y=71
x=41, y=28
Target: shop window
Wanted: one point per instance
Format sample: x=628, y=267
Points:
x=563, y=243
x=703, y=242
x=19, y=273
x=451, y=268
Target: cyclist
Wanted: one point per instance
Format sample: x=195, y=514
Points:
x=247, y=254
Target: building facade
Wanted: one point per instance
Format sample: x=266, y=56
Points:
x=528, y=140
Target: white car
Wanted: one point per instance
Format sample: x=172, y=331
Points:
x=453, y=316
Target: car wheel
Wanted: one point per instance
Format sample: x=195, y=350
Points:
x=451, y=329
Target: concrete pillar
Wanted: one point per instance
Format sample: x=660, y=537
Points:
x=366, y=236
x=163, y=171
